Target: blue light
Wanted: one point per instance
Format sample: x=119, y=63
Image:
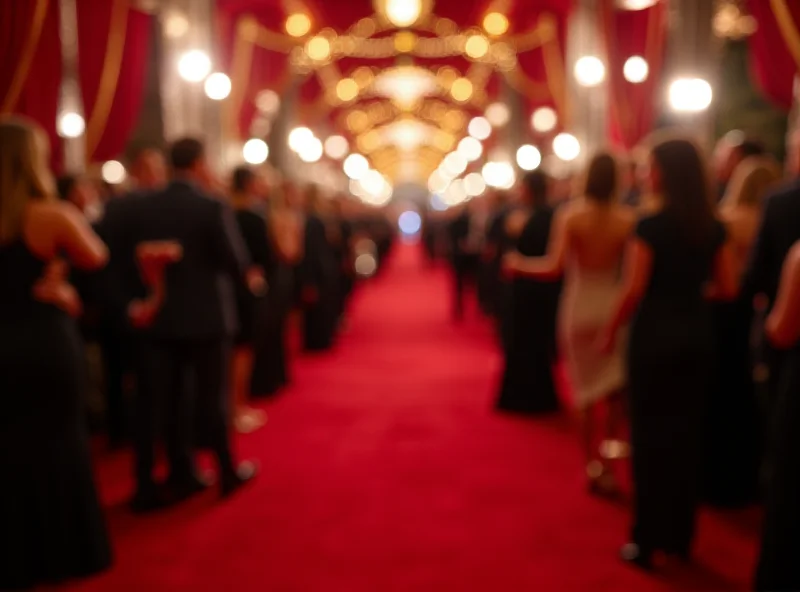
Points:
x=409, y=222
x=437, y=203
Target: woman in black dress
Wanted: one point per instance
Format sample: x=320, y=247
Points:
x=51, y=524
x=677, y=256
x=285, y=240
x=318, y=275
x=778, y=567
x=246, y=190
x=530, y=324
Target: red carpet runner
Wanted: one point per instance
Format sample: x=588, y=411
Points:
x=385, y=469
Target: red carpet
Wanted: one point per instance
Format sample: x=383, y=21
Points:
x=385, y=469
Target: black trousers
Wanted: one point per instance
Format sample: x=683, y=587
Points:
x=116, y=346
x=179, y=382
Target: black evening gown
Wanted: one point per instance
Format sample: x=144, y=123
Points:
x=733, y=423
x=253, y=229
x=319, y=271
x=51, y=524
x=270, y=363
x=778, y=566
x=671, y=358
x=530, y=353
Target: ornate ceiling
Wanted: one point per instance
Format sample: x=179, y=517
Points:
x=401, y=79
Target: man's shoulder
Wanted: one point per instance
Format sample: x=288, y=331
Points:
x=785, y=195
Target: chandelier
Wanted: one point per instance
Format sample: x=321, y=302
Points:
x=405, y=85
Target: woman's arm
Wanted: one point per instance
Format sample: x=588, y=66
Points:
x=637, y=272
x=783, y=323
x=77, y=239
x=551, y=265
x=725, y=285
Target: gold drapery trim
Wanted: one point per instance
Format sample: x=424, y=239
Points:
x=788, y=29
x=619, y=104
x=240, y=73
x=109, y=77
x=554, y=69
x=26, y=60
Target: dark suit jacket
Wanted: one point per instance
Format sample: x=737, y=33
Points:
x=780, y=229
x=200, y=289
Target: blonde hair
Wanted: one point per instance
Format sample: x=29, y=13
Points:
x=750, y=181
x=24, y=174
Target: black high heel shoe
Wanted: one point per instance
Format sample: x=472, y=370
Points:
x=635, y=555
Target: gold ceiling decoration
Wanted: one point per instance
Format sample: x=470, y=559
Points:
x=384, y=109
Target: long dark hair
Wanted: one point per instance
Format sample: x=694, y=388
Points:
x=601, y=178
x=537, y=185
x=685, y=186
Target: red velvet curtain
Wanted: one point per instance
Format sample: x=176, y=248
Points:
x=252, y=67
x=114, y=41
x=30, y=63
x=771, y=57
x=630, y=33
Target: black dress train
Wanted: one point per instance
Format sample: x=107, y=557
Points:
x=530, y=330
x=733, y=417
x=671, y=361
x=51, y=524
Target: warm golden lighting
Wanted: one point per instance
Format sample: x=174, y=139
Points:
x=443, y=141
x=461, y=89
x=405, y=41
x=402, y=13
x=318, y=48
x=495, y=23
x=357, y=121
x=369, y=141
x=454, y=120
x=298, y=24
x=405, y=85
x=346, y=89
x=477, y=46
x=363, y=76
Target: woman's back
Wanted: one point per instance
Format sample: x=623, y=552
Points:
x=598, y=235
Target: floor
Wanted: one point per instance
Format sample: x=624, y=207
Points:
x=384, y=468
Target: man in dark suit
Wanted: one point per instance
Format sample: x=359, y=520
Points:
x=780, y=229
x=148, y=173
x=467, y=233
x=185, y=337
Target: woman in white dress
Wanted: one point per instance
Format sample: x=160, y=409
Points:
x=586, y=246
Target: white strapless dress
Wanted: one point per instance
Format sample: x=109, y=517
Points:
x=587, y=303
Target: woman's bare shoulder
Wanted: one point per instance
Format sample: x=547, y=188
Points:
x=794, y=254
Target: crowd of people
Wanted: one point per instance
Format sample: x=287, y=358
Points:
x=187, y=287
x=654, y=287
x=673, y=305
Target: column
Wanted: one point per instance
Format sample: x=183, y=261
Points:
x=589, y=104
x=693, y=52
x=513, y=134
x=185, y=107
x=70, y=99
